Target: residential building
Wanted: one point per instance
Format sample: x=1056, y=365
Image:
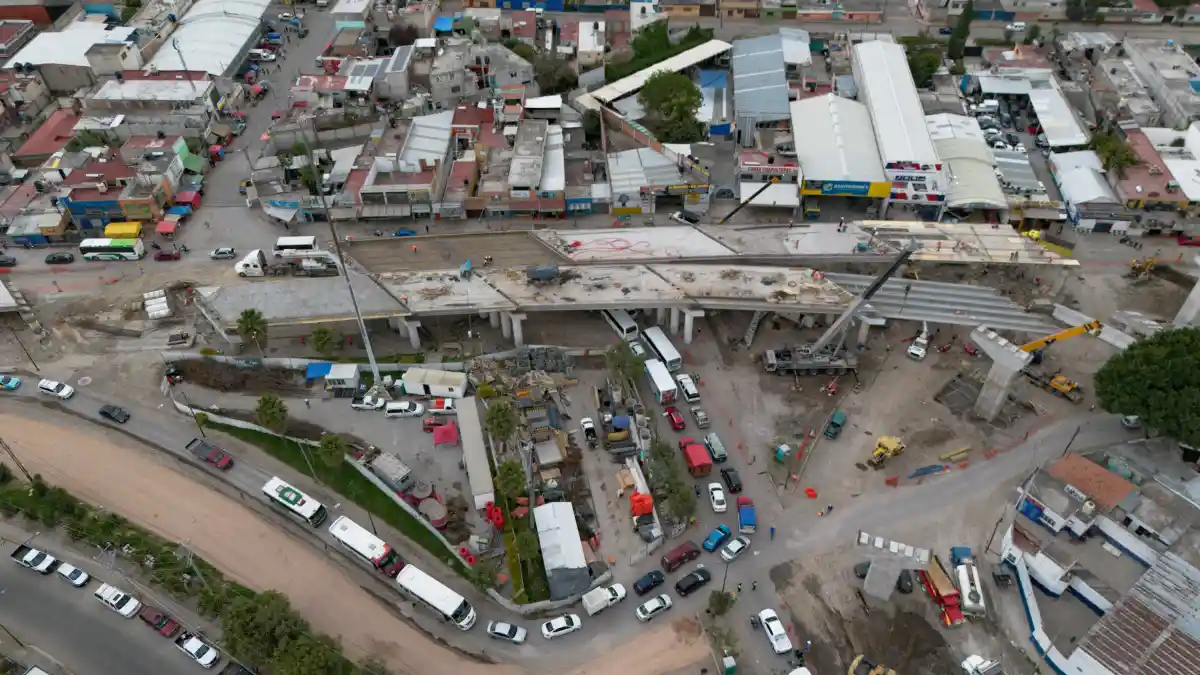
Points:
x=688, y=9
x=61, y=57
x=14, y=34
x=43, y=13
x=1191, y=14
x=47, y=139
x=797, y=53
x=739, y=9
x=642, y=14
x=1149, y=184
x=176, y=107
x=1168, y=73
x=394, y=83
x=403, y=181
x=523, y=28
x=760, y=89
x=590, y=48
x=23, y=96
x=93, y=193
x=456, y=70
x=1120, y=92
x=529, y=151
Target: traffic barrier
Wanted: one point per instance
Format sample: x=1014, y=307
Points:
x=893, y=481
x=810, y=493
x=963, y=465
x=990, y=454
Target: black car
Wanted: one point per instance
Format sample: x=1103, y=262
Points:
x=1011, y=138
x=945, y=30
x=649, y=582
x=114, y=413
x=60, y=258
x=732, y=480
x=904, y=582
x=7, y=261
x=862, y=568
x=692, y=582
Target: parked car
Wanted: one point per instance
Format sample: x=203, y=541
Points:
x=60, y=258
x=1015, y=27
x=118, y=601
x=10, y=382
x=701, y=418
x=507, y=632
x=225, y=253
x=694, y=581
x=114, y=413
x=732, y=480
x=7, y=261
x=1128, y=421
x=430, y=423
x=638, y=349
x=56, y=389
x=716, y=497
x=167, y=255
x=653, y=607
x=775, y=630
x=159, y=620
x=685, y=218
x=735, y=548
x=717, y=537
x=675, y=417
x=74, y=576
x=649, y=581
x=403, y=409
x=562, y=625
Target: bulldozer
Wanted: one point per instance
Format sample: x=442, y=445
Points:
x=861, y=666
x=886, y=447
x=1140, y=267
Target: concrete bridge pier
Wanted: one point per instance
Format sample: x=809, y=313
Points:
x=414, y=332
x=518, y=332
x=675, y=313
x=1191, y=305
x=689, y=323
x=494, y=319
x=1007, y=362
x=660, y=315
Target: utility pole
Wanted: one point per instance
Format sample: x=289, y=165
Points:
x=377, y=388
x=175, y=45
x=199, y=427
x=22, y=345
x=13, y=456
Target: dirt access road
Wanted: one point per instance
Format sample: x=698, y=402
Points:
x=129, y=479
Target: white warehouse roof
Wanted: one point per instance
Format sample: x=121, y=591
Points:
x=69, y=46
x=886, y=86
x=679, y=62
x=212, y=36
x=839, y=141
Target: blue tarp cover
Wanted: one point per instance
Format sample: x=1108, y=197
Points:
x=316, y=370
x=621, y=422
x=443, y=24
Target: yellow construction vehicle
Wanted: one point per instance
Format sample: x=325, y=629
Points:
x=861, y=666
x=1041, y=343
x=1140, y=267
x=886, y=447
x=1056, y=384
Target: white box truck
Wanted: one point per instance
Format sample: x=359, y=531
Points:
x=599, y=599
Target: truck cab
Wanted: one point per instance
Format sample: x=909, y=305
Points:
x=367, y=403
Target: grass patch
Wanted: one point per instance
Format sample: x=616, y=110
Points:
x=351, y=485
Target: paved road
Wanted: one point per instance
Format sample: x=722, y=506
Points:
x=80, y=633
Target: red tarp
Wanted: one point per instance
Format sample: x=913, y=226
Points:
x=165, y=227
x=191, y=199
x=256, y=89
x=445, y=434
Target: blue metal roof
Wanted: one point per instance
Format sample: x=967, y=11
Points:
x=316, y=370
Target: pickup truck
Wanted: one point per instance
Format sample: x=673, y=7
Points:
x=197, y=649
x=210, y=453
x=600, y=599
x=747, y=520
x=367, y=403
x=442, y=406
x=27, y=556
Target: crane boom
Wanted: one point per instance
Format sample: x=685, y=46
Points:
x=841, y=323
x=1048, y=340
x=773, y=180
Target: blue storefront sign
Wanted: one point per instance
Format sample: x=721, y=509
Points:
x=841, y=188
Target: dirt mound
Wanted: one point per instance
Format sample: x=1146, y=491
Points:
x=224, y=377
x=686, y=628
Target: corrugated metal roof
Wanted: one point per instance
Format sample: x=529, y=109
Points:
x=1155, y=628
x=628, y=85
x=839, y=141
x=760, y=88
x=886, y=86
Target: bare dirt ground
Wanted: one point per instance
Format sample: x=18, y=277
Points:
x=151, y=493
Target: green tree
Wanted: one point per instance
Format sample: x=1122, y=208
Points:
x=252, y=326
x=510, y=479
x=522, y=50
x=1157, y=379
x=256, y=628
x=332, y=450
x=621, y=361
x=311, y=655
x=923, y=63
x=501, y=420
x=201, y=419
x=528, y=546
x=482, y=575
x=271, y=412
x=591, y=127
x=323, y=341
x=1032, y=35
x=1115, y=153
x=130, y=10
x=962, y=31
x=719, y=602
x=651, y=40
x=672, y=100
x=1074, y=11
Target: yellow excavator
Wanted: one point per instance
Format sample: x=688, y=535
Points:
x=1041, y=343
x=861, y=666
x=886, y=447
x=1140, y=267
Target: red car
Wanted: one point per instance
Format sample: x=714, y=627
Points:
x=1188, y=240
x=167, y=255
x=430, y=423
x=676, y=418
x=160, y=622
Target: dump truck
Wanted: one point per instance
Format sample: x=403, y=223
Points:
x=747, y=518
x=27, y=556
x=599, y=599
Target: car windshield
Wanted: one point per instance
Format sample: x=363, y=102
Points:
x=74, y=574
x=58, y=386
x=505, y=630
x=203, y=649
x=122, y=600
x=566, y=622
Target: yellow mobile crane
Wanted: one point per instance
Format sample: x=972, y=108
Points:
x=1041, y=343
x=1053, y=382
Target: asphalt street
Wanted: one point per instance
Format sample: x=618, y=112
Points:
x=75, y=629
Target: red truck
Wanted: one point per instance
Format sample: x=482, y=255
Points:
x=699, y=462
x=941, y=588
x=210, y=453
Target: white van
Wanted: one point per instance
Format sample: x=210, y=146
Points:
x=688, y=386
x=989, y=107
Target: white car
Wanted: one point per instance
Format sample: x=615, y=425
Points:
x=284, y=16
x=559, y=626
x=56, y=389
x=74, y=576
x=197, y=649
x=653, y=607
x=685, y=218
x=118, y=600
x=716, y=497
x=919, y=348
x=403, y=409
x=507, y=632
x=261, y=55
x=735, y=548
x=1020, y=147
x=224, y=253
x=776, y=632
x=638, y=349
x=1015, y=27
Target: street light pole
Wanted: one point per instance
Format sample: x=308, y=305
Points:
x=199, y=427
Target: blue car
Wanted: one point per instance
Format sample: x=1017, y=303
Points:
x=10, y=383
x=719, y=536
x=404, y=233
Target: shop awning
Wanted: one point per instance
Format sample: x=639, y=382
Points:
x=179, y=210
x=191, y=199
x=284, y=214
x=165, y=227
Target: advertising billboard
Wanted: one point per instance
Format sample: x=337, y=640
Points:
x=845, y=188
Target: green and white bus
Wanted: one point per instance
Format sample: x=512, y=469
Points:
x=112, y=249
x=297, y=504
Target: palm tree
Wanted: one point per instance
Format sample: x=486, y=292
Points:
x=332, y=449
x=271, y=412
x=323, y=341
x=501, y=420
x=252, y=325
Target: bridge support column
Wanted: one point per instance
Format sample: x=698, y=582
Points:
x=1191, y=306
x=414, y=333
x=995, y=390
x=494, y=319
x=505, y=325
x=689, y=322
x=660, y=316
x=675, y=320
x=518, y=333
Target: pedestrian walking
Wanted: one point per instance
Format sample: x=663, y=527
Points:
x=414, y=249
x=829, y=509
x=754, y=585
x=426, y=229
x=772, y=532
x=307, y=404
x=739, y=587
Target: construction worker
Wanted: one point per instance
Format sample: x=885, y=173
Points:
x=772, y=532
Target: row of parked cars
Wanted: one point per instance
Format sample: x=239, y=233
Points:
x=120, y=602
x=64, y=391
